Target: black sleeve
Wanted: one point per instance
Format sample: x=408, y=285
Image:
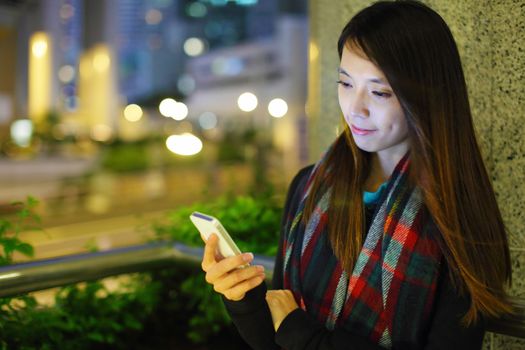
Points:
x=252, y=319
x=446, y=330
x=300, y=331
x=251, y=315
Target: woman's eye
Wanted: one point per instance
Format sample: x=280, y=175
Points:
x=343, y=83
x=382, y=94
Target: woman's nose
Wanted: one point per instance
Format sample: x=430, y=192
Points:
x=358, y=106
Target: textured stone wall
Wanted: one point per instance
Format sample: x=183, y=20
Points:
x=490, y=36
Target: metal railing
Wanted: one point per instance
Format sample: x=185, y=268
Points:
x=37, y=275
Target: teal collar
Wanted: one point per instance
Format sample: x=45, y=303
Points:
x=373, y=197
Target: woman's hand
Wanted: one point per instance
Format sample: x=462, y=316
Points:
x=281, y=303
x=227, y=275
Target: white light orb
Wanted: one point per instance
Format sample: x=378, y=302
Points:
x=21, y=132
x=247, y=102
x=194, y=46
x=180, y=111
x=185, y=145
x=168, y=107
x=277, y=108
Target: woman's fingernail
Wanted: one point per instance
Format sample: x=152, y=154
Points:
x=247, y=257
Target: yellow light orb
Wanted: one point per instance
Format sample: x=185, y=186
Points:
x=101, y=61
x=101, y=132
x=133, y=113
x=39, y=47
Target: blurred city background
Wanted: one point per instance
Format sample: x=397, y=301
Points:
x=114, y=111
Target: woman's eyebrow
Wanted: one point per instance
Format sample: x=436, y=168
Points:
x=378, y=81
x=342, y=71
x=372, y=80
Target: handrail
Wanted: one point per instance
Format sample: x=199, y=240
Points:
x=37, y=275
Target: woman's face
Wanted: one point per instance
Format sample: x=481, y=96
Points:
x=369, y=106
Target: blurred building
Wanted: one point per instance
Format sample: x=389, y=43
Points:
x=95, y=56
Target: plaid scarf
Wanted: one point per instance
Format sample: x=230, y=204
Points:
x=390, y=293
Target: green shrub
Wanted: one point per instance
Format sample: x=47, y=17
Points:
x=125, y=157
x=159, y=309
x=85, y=315
x=25, y=218
x=253, y=222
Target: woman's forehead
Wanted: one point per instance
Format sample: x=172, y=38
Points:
x=355, y=61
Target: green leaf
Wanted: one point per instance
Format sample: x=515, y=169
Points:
x=25, y=248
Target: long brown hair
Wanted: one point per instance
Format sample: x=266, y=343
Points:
x=414, y=48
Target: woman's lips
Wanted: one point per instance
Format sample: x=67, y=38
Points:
x=359, y=131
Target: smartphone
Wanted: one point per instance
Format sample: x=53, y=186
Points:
x=207, y=225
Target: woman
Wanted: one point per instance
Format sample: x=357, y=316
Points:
x=394, y=238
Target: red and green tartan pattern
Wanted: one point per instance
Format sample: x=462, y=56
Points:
x=390, y=293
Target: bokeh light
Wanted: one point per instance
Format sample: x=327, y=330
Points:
x=180, y=111
x=208, y=120
x=101, y=61
x=39, y=47
x=247, y=102
x=21, y=132
x=101, y=132
x=277, y=108
x=153, y=17
x=186, y=84
x=194, y=46
x=173, y=109
x=185, y=145
x=133, y=112
x=196, y=10
x=167, y=107
x=230, y=66
x=66, y=73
